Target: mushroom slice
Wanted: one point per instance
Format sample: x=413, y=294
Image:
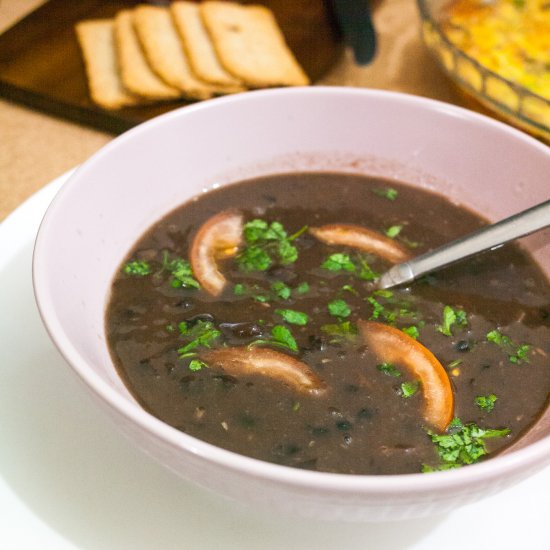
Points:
x=219, y=237
x=392, y=345
x=268, y=362
x=361, y=238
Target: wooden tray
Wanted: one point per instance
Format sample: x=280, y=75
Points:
x=41, y=65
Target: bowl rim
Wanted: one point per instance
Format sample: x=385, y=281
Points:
x=536, y=454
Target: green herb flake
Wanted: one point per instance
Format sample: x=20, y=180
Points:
x=412, y=331
x=239, y=289
x=462, y=444
x=388, y=193
x=302, y=288
x=393, y=231
x=521, y=354
x=366, y=273
x=517, y=353
x=378, y=310
x=281, y=290
x=339, y=308
x=486, y=402
x=266, y=244
x=384, y=293
x=408, y=389
x=254, y=258
x=200, y=334
x=182, y=274
x=137, y=268
x=454, y=364
x=452, y=317
x=340, y=331
x=388, y=369
x=293, y=317
x=339, y=262
x=282, y=336
x=196, y=365
x=350, y=289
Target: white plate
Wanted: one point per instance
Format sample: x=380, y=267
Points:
x=68, y=480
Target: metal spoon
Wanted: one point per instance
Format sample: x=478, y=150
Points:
x=487, y=238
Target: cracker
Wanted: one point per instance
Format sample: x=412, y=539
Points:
x=96, y=39
x=164, y=51
x=250, y=44
x=202, y=55
x=136, y=74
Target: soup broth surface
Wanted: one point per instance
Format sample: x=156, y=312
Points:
x=486, y=321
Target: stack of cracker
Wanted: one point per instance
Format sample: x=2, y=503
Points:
x=187, y=50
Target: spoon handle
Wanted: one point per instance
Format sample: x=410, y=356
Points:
x=486, y=238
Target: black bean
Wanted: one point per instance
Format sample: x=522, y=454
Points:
x=240, y=331
x=344, y=425
x=225, y=381
x=462, y=346
x=365, y=413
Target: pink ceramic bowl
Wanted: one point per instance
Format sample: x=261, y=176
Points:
x=146, y=172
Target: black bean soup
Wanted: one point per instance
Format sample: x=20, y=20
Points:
x=250, y=318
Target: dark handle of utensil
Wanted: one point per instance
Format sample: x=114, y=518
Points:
x=354, y=20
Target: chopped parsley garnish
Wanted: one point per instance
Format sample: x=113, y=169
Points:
x=393, y=231
x=199, y=334
x=350, y=289
x=517, y=353
x=379, y=311
x=302, y=288
x=137, y=268
x=180, y=269
x=340, y=331
x=277, y=291
x=452, y=317
x=280, y=336
x=293, y=317
x=388, y=193
x=387, y=314
x=339, y=308
x=462, y=444
x=281, y=290
x=339, y=262
x=412, y=331
x=454, y=363
x=365, y=272
x=388, y=369
x=266, y=244
x=196, y=364
x=343, y=262
x=239, y=289
x=384, y=293
x=486, y=402
x=408, y=389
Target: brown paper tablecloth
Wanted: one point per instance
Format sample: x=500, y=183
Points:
x=35, y=147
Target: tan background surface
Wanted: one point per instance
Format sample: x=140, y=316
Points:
x=35, y=148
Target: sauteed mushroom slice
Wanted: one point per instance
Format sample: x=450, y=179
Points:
x=266, y=361
x=219, y=237
x=392, y=345
x=361, y=238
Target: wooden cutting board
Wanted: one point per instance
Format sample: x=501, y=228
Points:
x=41, y=65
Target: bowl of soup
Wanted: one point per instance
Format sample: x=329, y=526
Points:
x=210, y=276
